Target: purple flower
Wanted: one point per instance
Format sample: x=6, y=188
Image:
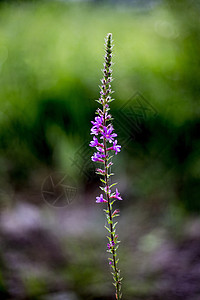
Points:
x=116, y=148
x=100, y=149
x=97, y=124
x=117, y=195
x=94, y=143
x=110, y=245
x=100, y=199
x=98, y=121
x=94, y=130
x=107, y=133
x=97, y=157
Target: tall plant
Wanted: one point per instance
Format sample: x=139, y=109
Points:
x=104, y=140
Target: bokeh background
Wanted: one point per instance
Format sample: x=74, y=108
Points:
x=52, y=236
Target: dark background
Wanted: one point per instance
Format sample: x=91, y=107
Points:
x=52, y=236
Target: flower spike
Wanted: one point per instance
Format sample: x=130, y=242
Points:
x=103, y=131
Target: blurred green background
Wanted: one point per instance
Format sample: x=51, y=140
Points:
x=51, y=55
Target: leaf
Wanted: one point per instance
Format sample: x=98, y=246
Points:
x=99, y=173
x=115, y=225
x=112, y=202
x=113, y=185
x=102, y=188
x=98, y=101
x=114, y=284
x=110, y=157
x=110, y=258
x=107, y=229
x=102, y=180
x=111, y=174
x=109, y=251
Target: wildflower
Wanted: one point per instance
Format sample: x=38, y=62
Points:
x=97, y=124
x=100, y=199
x=98, y=121
x=103, y=128
x=107, y=133
x=110, y=245
x=116, y=148
x=97, y=157
x=116, y=195
x=95, y=130
x=100, y=149
x=94, y=143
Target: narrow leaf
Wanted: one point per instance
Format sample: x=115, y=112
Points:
x=115, y=225
x=107, y=229
x=102, y=180
x=113, y=185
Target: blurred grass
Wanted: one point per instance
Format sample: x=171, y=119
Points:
x=41, y=57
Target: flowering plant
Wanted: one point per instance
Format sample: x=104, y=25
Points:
x=106, y=145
